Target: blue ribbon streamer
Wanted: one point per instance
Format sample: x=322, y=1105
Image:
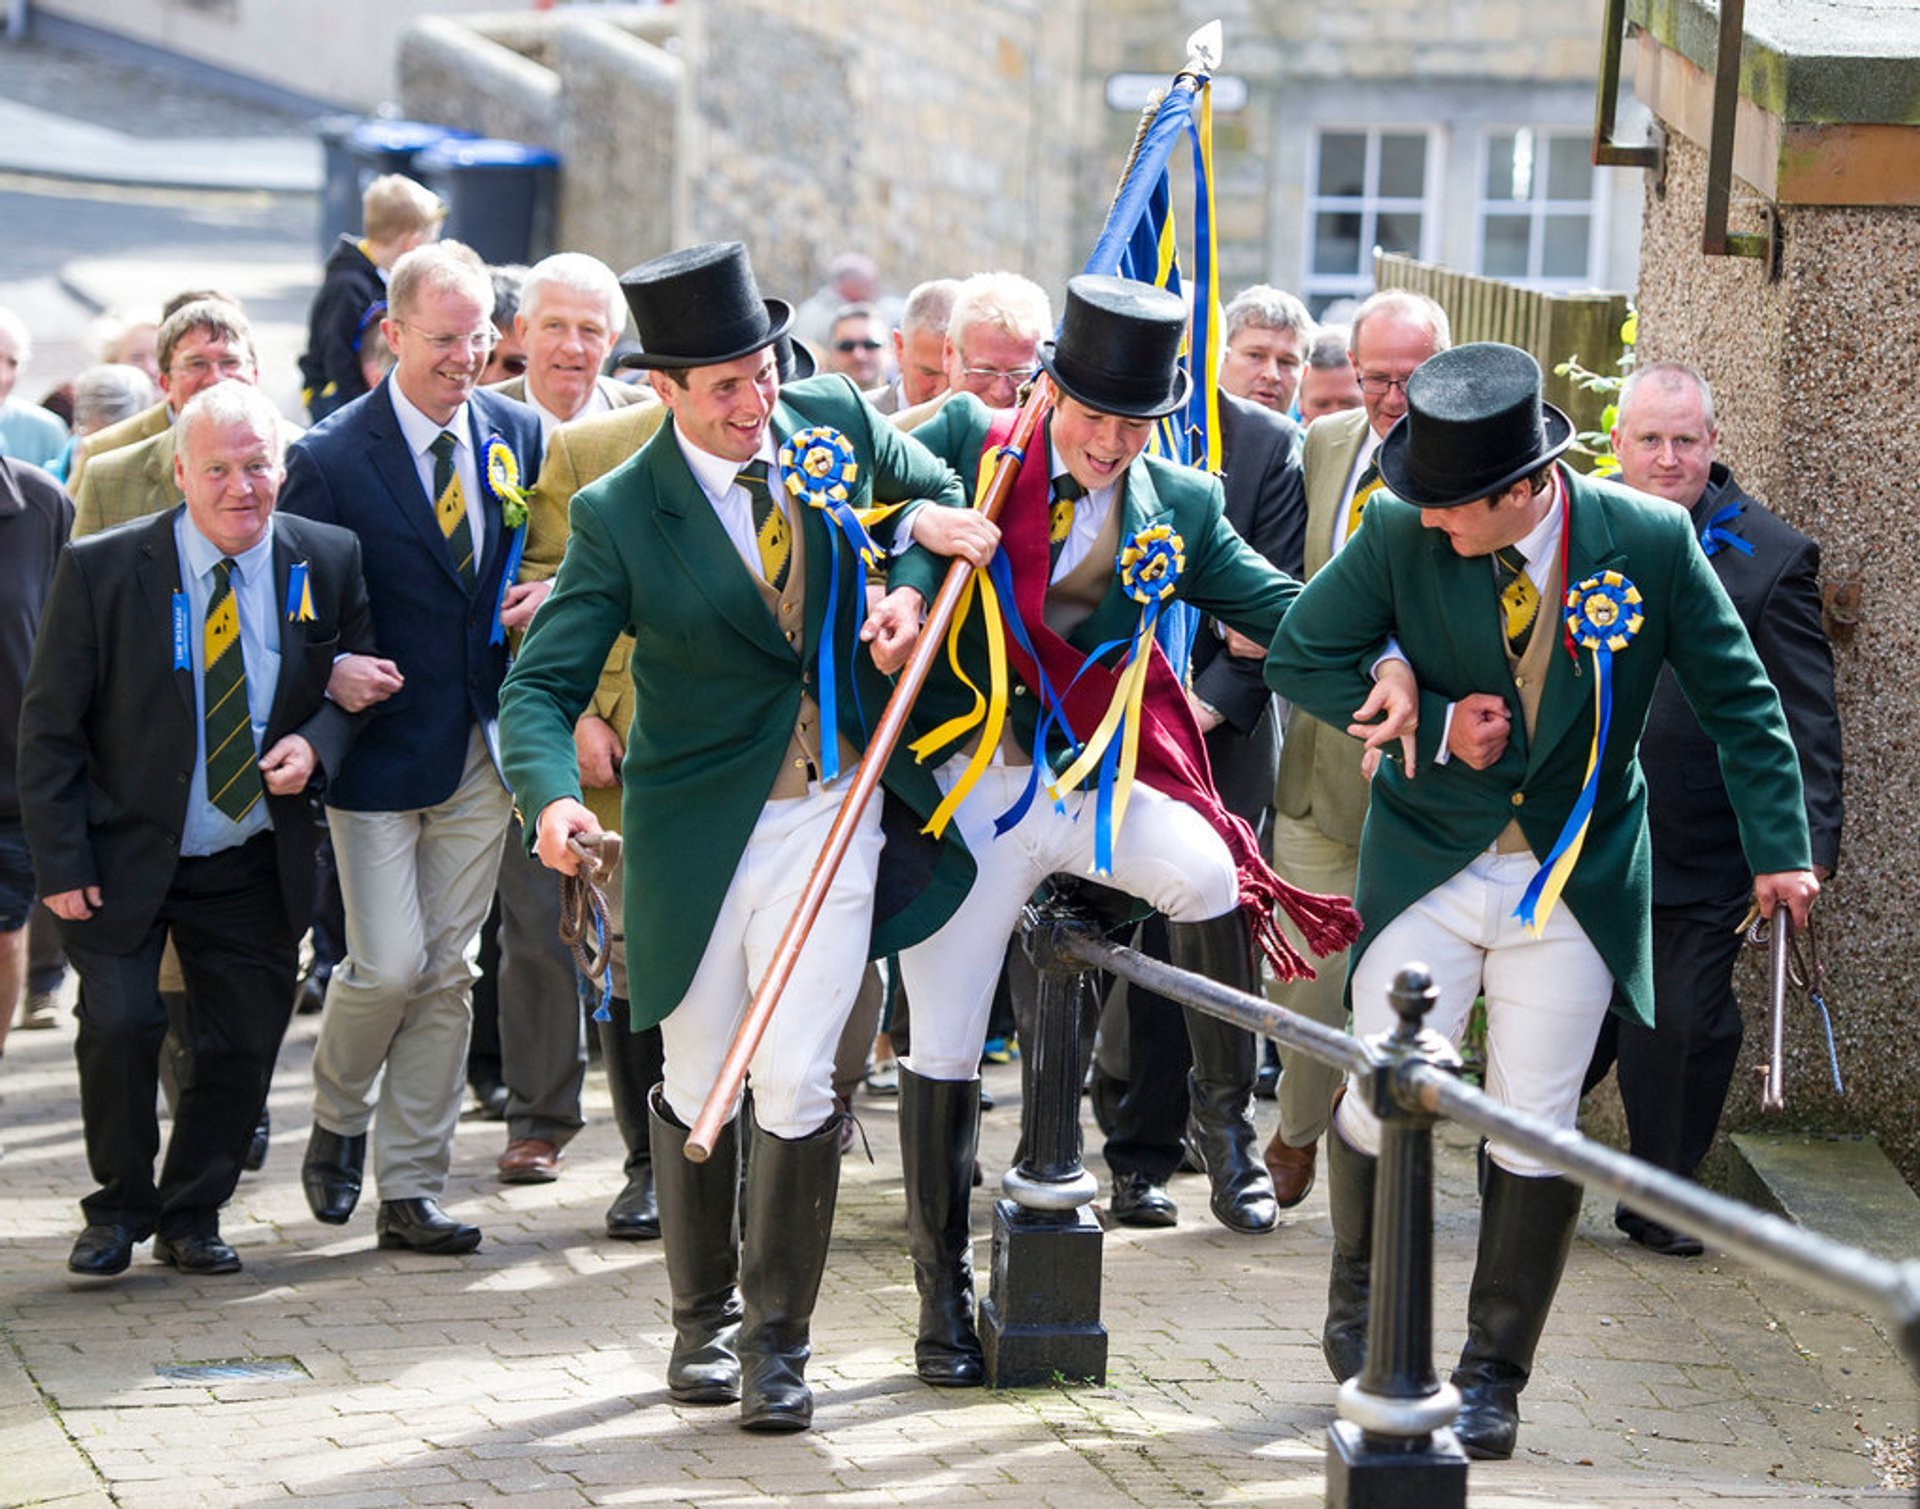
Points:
x=1052, y=709
x=603, y=1012
x=514, y=550
x=182, y=647
x=1713, y=537
x=1583, y=805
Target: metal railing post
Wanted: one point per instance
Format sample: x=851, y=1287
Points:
x=1040, y=1321
x=1393, y=1444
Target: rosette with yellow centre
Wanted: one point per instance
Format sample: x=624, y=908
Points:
x=1149, y=566
x=1604, y=612
x=818, y=467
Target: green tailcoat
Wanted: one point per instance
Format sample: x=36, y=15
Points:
x=717, y=688
x=1395, y=577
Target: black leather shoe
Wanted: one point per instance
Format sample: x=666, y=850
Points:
x=1138, y=1201
x=635, y=1215
x=1655, y=1237
x=191, y=1252
x=422, y=1226
x=1488, y=1424
x=256, y=1158
x=103, y=1251
x=331, y=1174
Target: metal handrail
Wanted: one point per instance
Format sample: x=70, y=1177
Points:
x=1844, y=1272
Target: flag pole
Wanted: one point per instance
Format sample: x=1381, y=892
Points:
x=1203, y=56
x=714, y=1112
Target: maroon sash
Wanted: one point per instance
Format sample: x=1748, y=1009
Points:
x=1172, y=750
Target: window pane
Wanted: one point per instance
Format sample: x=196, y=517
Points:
x=1336, y=243
x=1569, y=171
x=1564, y=254
x=1343, y=164
x=1500, y=146
x=1505, y=252
x=1399, y=231
x=1403, y=165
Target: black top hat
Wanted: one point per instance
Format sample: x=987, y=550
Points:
x=701, y=307
x=1474, y=426
x=1119, y=348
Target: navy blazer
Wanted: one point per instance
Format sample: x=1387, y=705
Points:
x=354, y=469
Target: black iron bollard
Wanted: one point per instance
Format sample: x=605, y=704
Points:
x=1040, y=1322
x=1393, y=1446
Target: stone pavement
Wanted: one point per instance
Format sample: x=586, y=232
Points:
x=531, y=1372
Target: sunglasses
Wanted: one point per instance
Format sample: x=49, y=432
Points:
x=846, y=346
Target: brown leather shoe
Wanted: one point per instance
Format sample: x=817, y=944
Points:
x=1292, y=1170
x=529, y=1160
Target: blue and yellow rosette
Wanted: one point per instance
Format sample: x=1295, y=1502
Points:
x=818, y=467
x=1603, y=614
x=1149, y=567
x=503, y=481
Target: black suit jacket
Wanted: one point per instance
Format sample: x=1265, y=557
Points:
x=354, y=469
x=108, y=725
x=1266, y=504
x=1776, y=591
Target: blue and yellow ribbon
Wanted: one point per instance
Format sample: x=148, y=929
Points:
x=300, y=594
x=818, y=467
x=1603, y=614
x=1149, y=567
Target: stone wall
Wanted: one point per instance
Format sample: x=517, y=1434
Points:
x=937, y=139
x=1812, y=379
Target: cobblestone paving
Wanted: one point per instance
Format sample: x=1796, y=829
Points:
x=531, y=1373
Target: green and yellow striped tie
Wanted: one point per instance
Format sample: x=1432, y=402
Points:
x=769, y=525
x=233, y=771
x=1363, y=489
x=450, y=506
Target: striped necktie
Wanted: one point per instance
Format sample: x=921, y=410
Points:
x=769, y=525
x=1066, y=494
x=1365, y=488
x=1519, y=598
x=233, y=771
x=450, y=506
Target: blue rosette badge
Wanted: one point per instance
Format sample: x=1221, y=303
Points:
x=1604, y=613
x=818, y=467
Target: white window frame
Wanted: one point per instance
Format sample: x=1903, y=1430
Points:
x=1369, y=205
x=1537, y=209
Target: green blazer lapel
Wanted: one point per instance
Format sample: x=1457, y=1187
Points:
x=700, y=543
x=1567, y=696
x=820, y=549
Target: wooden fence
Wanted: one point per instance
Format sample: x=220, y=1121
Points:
x=1552, y=326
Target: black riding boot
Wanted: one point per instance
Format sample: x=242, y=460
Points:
x=633, y=1062
x=791, y=1189
x=1226, y=1061
x=939, y=1131
x=1526, y=1229
x=1350, y=1177
x=697, y=1205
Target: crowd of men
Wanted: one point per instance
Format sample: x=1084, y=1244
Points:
x=375, y=681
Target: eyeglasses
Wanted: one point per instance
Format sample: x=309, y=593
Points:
x=986, y=377
x=843, y=347
x=1379, y=384
x=200, y=366
x=446, y=345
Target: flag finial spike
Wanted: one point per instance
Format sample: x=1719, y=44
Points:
x=1204, y=48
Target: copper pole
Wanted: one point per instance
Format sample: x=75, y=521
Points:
x=893, y=721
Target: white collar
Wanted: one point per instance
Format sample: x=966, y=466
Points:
x=715, y=474
x=419, y=430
